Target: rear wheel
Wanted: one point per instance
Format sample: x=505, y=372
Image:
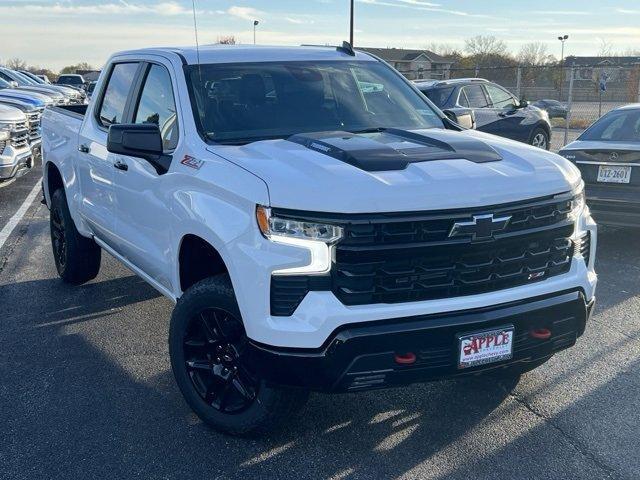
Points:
x=77, y=258
x=540, y=138
x=207, y=344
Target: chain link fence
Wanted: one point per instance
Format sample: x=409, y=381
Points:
x=575, y=96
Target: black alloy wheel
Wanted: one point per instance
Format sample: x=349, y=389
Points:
x=58, y=236
x=213, y=346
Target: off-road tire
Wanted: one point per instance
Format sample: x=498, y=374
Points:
x=78, y=260
x=271, y=405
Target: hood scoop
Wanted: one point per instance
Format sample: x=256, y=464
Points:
x=394, y=149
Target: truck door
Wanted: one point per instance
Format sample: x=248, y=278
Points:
x=142, y=223
x=95, y=164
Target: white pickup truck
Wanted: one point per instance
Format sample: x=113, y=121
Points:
x=319, y=224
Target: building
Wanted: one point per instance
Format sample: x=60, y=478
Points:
x=414, y=64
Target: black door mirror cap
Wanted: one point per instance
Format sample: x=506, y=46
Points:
x=140, y=140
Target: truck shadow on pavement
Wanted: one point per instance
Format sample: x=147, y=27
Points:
x=87, y=392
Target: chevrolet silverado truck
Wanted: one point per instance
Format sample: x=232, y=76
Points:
x=319, y=224
x=15, y=152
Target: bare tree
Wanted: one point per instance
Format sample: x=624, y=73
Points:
x=443, y=49
x=226, y=40
x=16, y=64
x=535, y=53
x=606, y=49
x=484, y=45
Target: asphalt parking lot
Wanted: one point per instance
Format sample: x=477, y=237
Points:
x=86, y=391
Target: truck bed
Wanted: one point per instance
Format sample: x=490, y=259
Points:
x=73, y=110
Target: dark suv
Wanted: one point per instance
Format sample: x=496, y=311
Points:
x=478, y=103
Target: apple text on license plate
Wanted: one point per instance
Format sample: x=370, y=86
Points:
x=614, y=174
x=485, y=347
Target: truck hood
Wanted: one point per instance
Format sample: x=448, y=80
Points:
x=11, y=114
x=312, y=175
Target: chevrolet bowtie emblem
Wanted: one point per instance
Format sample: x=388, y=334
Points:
x=481, y=227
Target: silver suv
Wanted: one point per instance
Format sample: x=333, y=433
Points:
x=15, y=151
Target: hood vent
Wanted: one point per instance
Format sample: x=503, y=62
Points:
x=394, y=149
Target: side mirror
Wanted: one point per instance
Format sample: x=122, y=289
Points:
x=462, y=116
x=14, y=84
x=523, y=103
x=141, y=140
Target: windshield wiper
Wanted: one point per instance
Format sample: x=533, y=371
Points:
x=369, y=130
x=244, y=140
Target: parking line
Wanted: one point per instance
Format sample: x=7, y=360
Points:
x=15, y=220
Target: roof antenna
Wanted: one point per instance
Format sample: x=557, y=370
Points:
x=346, y=48
x=195, y=28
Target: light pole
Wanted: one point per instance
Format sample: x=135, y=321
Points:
x=351, y=25
x=255, y=24
x=562, y=38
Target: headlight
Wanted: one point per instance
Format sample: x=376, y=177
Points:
x=578, y=201
x=5, y=132
x=318, y=238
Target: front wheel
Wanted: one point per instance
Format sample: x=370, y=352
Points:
x=540, y=138
x=207, y=345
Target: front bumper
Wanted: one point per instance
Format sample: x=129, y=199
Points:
x=15, y=165
x=616, y=206
x=361, y=356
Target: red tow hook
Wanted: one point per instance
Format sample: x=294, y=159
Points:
x=540, y=333
x=405, y=358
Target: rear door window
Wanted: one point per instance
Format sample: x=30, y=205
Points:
x=157, y=105
x=475, y=96
x=114, y=101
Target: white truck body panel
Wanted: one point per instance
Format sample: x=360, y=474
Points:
x=142, y=217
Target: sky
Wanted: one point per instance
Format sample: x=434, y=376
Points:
x=58, y=33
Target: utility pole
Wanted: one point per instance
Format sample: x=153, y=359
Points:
x=562, y=38
x=351, y=25
x=255, y=24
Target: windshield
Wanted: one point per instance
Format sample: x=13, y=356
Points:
x=617, y=126
x=241, y=103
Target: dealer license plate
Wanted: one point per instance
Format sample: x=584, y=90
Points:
x=614, y=174
x=485, y=347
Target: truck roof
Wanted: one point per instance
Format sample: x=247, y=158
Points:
x=253, y=53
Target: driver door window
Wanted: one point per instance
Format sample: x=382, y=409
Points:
x=500, y=98
x=157, y=105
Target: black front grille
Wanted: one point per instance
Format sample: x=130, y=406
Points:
x=365, y=276
x=393, y=258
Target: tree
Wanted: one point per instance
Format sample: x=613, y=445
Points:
x=443, y=49
x=75, y=68
x=535, y=54
x=16, y=64
x=606, y=49
x=485, y=45
x=226, y=40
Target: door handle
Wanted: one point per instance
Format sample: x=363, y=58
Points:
x=121, y=166
x=84, y=149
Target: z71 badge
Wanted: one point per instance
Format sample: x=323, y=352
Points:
x=192, y=162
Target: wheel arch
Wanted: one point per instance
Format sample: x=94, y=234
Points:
x=197, y=259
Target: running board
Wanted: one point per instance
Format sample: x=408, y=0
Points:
x=160, y=288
